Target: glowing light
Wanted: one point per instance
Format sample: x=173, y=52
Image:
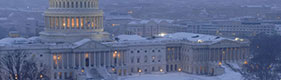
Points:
x=162, y=34
x=114, y=54
x=153, y=57
x=82, y=70
x=63, y=24
x=220, y=63
x=113, y=69
x=16, y=76
x=130, y=12
x=200, y=41
x=86, y=55
x=236, y=39
x=161, y=70
x=41, y=76
x=140, y=71
x=245, y=62
x=59, y=58
x=54, y=57
x=241, y=39
x=179, y=69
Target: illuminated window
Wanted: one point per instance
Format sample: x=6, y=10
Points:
x=82, y=22
x=77, y=23
x=55, y=59
x=73, y=23
x=68, y=22
x=57, y=22
x=245, y=62
x=119, y=55
x=63, y=22
x=87, y=59
x=114, y=54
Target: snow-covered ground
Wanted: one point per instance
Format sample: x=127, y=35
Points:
x=228, y=75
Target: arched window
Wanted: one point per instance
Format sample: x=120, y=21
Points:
x=81, y=4
x=56, y=5
x=85, y=4
x=60, y=5
x=89, y=5
x=76, y=5
x=68, y=5
x=63, y=4
x=72, y=4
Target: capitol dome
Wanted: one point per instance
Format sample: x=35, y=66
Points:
x=73, y=20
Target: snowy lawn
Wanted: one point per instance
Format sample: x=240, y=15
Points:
x=229, y=75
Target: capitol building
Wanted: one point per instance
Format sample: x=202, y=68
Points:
x=75, y=47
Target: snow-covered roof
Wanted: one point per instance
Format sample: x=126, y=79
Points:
x=130, y=38
x=151, y=20
x=30, y=18
x=19, y=40
x=192, y=37
x=79, y=43
x=189, y=38
x=9, y=41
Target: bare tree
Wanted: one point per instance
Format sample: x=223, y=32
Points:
x=20, y=65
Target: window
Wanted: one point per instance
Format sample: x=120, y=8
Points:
x=153, y=58
x=153, y=51
x=63, y=22
x=138, y=60
x=87, y=59
x=65, y=75
x=63, y=4
x=159, y=50
x=55, y=75
x=132, y=51
x=77, y=22
x=72, y=4
x=145, y=51
x=81, y=4
x=145, y=59
x=132, y=60
x=68, y=23
x=138, y=51
x=60, y=75
x=72, y=22
x=82, y=22
x=132, y=70
x=76, y=5
x=85, y=5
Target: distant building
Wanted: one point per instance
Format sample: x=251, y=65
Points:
x=148, y=28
